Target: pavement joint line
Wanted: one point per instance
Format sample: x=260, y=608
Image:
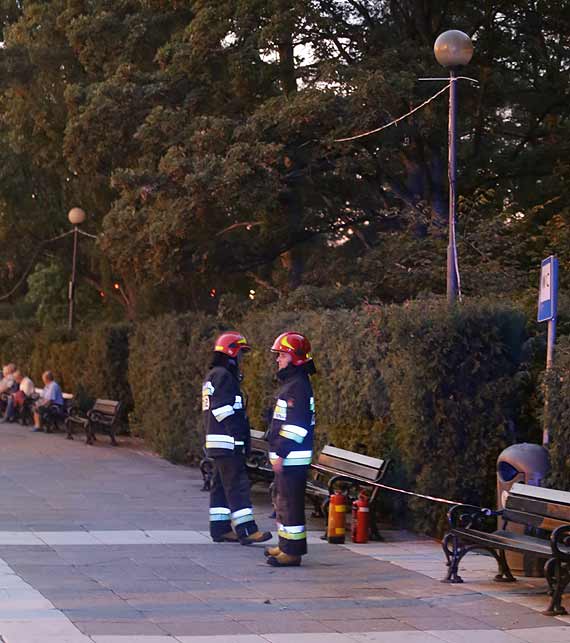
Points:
x=65, y=508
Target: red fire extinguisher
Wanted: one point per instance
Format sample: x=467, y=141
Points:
x=360, y=519
x=337, y=518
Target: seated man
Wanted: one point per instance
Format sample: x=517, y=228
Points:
x=51, y=402
x=16, y=400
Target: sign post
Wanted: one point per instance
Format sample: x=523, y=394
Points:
x=547, y=310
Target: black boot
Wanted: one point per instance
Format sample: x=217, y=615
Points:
x=284, y=560
x=256, y=537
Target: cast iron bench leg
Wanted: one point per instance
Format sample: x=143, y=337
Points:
x=504, y=575
x=453, y=554
x=374, y=531
x=558, y=576
x=206, y=471
x=89, y=437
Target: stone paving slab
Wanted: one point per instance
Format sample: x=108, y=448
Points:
x=104, y=545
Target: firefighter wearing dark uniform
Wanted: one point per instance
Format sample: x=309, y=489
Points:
x=227, y=443
x=291, y=445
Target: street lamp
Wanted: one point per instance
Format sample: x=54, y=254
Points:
x=76, y=217
x=452, y=49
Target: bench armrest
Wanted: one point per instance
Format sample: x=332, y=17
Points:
x=467, y=516
x=560, y=543
x=101, y=418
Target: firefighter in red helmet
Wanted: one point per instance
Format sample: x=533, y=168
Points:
x=227, y=442
x=290, y=445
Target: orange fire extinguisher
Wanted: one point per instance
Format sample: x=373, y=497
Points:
x=360, y=519
x=337, y=518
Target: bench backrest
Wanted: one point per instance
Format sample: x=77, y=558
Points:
x=542, y=508
x=351, y=463
x=107, y=407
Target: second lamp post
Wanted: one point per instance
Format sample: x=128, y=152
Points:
x=76, y=217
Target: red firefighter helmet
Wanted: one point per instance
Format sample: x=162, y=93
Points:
x=296, y=345
x=231, y=343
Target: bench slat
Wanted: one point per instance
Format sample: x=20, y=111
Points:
x=348, y=468
x=366, y=460
x=541, y=493
x=539, y=522
x=508, y=540
x=538, y=507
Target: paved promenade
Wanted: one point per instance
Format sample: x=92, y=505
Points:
x=109, y=545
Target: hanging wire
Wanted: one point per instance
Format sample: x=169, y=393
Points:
x=401, y=118
x=395, y=121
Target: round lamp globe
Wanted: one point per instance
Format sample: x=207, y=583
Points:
x=453, y=48
x=76, y=216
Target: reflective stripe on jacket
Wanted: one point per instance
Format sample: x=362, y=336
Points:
x=293, y=418
x=225, y=423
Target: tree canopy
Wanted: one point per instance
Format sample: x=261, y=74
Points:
x=202, y=139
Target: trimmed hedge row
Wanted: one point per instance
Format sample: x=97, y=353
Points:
x=556, y=385
x=434, y=391
x=92, y=364
x=168, y=358
x=438, y=392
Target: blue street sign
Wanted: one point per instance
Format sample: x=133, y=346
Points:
x=548, y=292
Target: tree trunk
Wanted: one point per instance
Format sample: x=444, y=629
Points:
x=292, y=260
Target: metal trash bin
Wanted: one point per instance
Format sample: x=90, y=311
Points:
x=529, y=464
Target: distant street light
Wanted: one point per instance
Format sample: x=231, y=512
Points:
x=76, y=217
x=452, y=49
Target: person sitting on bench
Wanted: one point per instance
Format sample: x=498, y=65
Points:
x=50, y=403
x=16, y=400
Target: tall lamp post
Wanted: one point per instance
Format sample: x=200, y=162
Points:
x=453, y=49
x=76, y=217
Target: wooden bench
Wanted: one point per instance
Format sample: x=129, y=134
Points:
x=338, y=468
x=257, y=463
x=103, y=415
x=545, y=517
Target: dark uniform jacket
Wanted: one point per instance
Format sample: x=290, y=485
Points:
x=225, y=422
x=292, y=426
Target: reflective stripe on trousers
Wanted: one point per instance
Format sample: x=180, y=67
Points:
x=241, y=516
x=292, y=532
x=219, y=513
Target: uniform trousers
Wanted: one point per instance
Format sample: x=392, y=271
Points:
x=230, y=500
x=289, y=499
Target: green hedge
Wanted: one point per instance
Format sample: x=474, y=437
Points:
x=431, y=389
x=168, y=359
x=556, y=384
x=454, y=388
x=90, y=365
